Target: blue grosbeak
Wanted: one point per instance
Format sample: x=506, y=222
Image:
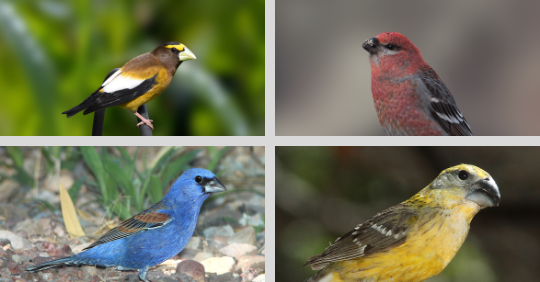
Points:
x=154, y=235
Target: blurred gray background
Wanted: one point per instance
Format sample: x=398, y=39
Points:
x=486, y=52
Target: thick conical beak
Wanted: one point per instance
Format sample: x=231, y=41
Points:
x=214, y=186
x=186, y=55
x=485, y=193
x=371, y=45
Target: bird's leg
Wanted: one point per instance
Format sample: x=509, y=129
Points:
x=143, y=120
x=143, y=272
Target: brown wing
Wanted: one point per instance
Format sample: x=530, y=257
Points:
x=148, y=219
x=385, y=231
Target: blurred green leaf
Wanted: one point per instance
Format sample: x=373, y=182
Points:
x=112, y=189
x=174, y=168
x=124, y=153
x=164, y=159
x=75, y=188
x=130, y=162
x=21, y=176
x=72, y=157
x=49, y=155
x=16, y=155
x=156, y=189
x=46, y=204
x=216, y=156
x=35, y=62
x=94, y=163
x=258, y=228
x=119, y=174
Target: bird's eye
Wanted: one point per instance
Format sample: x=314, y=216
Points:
x=198, y=179
x=463, y=175
x=174, y=49
x=390, y=47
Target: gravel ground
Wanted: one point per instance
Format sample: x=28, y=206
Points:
x=228, y=244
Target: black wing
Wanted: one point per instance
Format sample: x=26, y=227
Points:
x=106, y=100
x=442, y=106
x=100, y=100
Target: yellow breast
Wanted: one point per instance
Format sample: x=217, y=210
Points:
x=162, y=82
x=430, y=246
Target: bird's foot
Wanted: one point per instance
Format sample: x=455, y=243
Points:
x=144, y=121
x=142, y=274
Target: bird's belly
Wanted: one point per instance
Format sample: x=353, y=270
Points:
x=416, y=260
x=398, y=113
x=135, y=252
x=133, y=105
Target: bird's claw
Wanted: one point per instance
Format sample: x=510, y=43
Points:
x=147, y=122
x=144, y=121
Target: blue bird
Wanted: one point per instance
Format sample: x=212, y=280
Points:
x=154, y=235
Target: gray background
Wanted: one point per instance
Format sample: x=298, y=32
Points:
x=486, y=52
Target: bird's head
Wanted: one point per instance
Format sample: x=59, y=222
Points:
x=195, y=183
x=393, y=49
x=173, y=53
x=465, y=187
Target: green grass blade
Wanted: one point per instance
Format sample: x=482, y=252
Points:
x=93, y=161
x=156, y=189
x=173, y=169
x=216, y=157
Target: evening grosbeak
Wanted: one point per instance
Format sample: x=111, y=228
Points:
x=409, y=96
x=154, y=235
x=138, y=81
x=414, y=240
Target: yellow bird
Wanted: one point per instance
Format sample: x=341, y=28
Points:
x=140, y=80
x=414, y=240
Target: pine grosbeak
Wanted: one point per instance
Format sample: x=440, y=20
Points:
x=410, y=98
x=414, y=240
x=152, y=236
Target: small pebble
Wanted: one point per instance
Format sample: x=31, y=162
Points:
x=191, y=268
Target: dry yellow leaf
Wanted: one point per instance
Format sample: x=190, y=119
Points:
x=85, y=215
x=73, y=226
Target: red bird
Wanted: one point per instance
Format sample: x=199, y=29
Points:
x=410, y=98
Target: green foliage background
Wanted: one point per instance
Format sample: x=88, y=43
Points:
x=123, y=188
x=56, y=53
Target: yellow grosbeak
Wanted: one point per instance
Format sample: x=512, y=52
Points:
x=414, y=240
x=140, y=80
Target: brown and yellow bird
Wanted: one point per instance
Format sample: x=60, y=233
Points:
x=140, y=80
x=414, y=240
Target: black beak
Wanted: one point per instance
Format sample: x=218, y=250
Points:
x=485, y=193
x=214, y=186
x=371, y=45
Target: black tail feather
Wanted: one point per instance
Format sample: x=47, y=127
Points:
x=84, y=105
x=50, y=264
x=88, y=101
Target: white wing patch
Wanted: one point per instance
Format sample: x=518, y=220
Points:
x=118, y=82
x=382, y=230
x=458, y=118
x=113, y=76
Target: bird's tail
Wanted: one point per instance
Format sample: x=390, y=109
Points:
x=88, y=101
x=54, y=263
x=85, y=104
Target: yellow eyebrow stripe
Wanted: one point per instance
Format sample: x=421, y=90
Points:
x=180, y=47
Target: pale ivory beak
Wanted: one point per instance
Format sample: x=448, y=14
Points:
x=186, y=55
